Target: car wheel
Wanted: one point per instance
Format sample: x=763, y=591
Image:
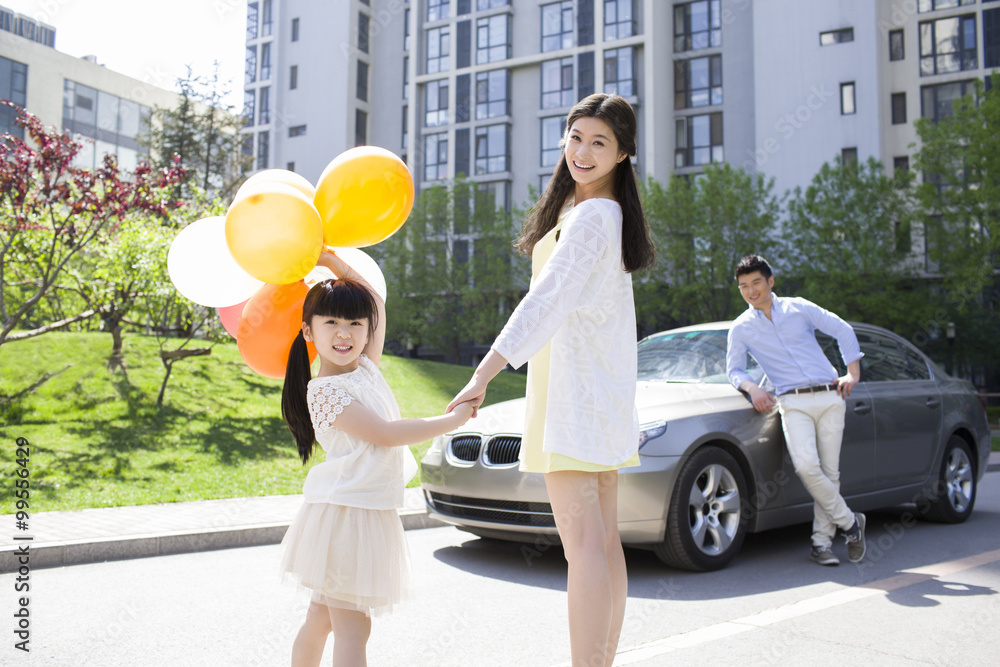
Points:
x=951, y=498
x=706, y=522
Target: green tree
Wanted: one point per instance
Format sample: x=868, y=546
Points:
x=959, y=159
x=701, y=228
x=203, y=134
x=849, y=248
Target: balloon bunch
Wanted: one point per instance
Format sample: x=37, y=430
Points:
x=256, y=263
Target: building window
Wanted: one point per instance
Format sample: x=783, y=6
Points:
x=437, y=50
x=265, y=61
x=252, y=20
x=991, y=38
x=699, y=140
x=697, y=82
x=901, y=164
x=847, y=106
x=13, y=87
x=363, y=24
x=557, y=26
x=463, y=98
x=362, y=81
x=290, y=166
x=251, y=65
x=437, y=9
x=948, y=45
x=836, y=37
x=293, y=77
x=493, y=194
x=932, y=5
x=937, y=102
x=360, y=127
x=406, y=126
x=552, y=134
x=406, y=29
x=493, y=39
x=435, y=157
x=492, y=149
x=266, y=18
x=436, y=105
x=698, y=25
x=898, y=108
x=295, y=35
x=406, y=77
x=618, y=19
x=897, y=46
x=249, y=99
x=492, y=94
x=618, y=73
x=263, y=148
x=482, y=5
x=557, y=83
x=264, y=113
x=297, y=131
x=849, y=156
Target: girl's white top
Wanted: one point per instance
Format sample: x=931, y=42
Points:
x=582, y=301
x=356, y=472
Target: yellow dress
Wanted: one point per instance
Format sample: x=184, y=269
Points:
x=532, y=458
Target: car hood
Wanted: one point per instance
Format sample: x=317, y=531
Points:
x=654, y=401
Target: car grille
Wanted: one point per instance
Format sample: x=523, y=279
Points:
x=497, y=511
x=502, y=450
x=466, y=447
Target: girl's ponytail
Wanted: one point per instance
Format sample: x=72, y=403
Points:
x=294, y=397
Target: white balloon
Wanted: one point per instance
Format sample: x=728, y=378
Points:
x=203, y=270
x=359, y=261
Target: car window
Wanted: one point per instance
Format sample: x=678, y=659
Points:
x=832, y=351
x=917, y=364
x=884, y=360
x=690, y=356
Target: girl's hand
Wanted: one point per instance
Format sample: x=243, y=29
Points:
x=465, y=411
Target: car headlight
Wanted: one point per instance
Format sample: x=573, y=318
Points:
x=437, y=445
x=651, y=430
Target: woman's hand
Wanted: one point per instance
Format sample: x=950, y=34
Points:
x=474, y=394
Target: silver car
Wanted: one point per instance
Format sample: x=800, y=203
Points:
x=712, y=468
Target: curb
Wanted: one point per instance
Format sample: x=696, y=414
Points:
x=80, y=552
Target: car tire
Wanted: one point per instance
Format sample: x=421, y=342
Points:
x=951, y=497
x=706, y=519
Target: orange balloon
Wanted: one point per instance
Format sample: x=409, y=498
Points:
x=297, y=181
x=269, y=323
x=274, y=233
x=363, y=197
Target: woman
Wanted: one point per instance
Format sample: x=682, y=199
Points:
x=577, y=327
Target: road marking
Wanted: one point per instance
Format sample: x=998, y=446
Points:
x=636, y=654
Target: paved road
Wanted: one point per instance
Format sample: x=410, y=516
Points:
x=928, y=594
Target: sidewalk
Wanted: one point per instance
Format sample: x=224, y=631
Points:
x=117, y=533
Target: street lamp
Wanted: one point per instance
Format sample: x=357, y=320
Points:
x=950, y=335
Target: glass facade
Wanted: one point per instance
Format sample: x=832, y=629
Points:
x=699, y=140
x=557, y=26
x=697, y=25
x=619, y=75
x=948, y=45
x=493, y=39
x=492, y=94
x=697, y=82
x=114, y=123
x=557, y=83
x=13, y=87
x=492, y=148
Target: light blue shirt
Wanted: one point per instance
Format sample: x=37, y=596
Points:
x=785, y=346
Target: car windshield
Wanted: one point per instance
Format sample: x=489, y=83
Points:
x=689, y=356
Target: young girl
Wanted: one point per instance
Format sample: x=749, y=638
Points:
x=577, y=327
x=346, y=544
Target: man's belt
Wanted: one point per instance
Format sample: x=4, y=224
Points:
x=810, y=390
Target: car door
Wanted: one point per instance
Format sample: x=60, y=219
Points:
x=907, y=405
x=857, y=453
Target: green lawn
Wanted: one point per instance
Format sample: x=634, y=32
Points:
x=98, y=439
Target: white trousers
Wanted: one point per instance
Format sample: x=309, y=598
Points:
x=814, y=430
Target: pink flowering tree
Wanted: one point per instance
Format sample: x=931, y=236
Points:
x=51, y=210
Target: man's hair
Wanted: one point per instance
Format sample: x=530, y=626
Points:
x=752, y=263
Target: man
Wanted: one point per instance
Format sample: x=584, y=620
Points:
x=780, y=334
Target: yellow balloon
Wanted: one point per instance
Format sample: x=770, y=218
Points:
x=274, y=233
x=297, y=181
x=363, y=197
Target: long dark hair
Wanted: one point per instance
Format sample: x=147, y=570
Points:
x=638, y=252
x=338, y=298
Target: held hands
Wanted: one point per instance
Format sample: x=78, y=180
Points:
x=473, y=394
x=762, y=401
x=463, y=411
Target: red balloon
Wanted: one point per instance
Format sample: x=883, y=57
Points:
x=268, y=325
x=230, y=316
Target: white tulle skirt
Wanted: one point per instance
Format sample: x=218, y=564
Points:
x=348, y=557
